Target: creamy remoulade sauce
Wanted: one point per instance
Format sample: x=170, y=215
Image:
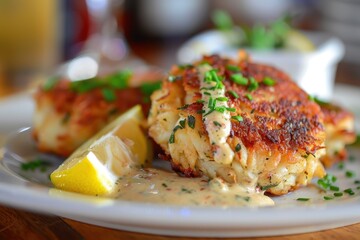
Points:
x=160, y=186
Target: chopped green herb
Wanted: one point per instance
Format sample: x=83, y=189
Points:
x=216, y=123
x=200, y=101
x=349, y=191
x=328, y=197
x=182, y=123
x=248, y=96
x=50, y=83
x=253, y=84
x=222, y=20
x=183, y=107
x=119, y=80
x=148, y=88
x=239, y=79
x=338, y=194
x=231, y=109
x=233, y=68
x=207, y=93
x=264, y=188
x=237, y=147
x=164, y=185
x=268, y=81
x=108, y=94
x=303, y=199
x=35, y=164
x=244, y=198
x=341, y=165
x=87, y=85
x=222, y=99
x=172, y=138
x=349, y=174
x=237, y=118
x=185, y=66
x=191, y=121
x=357, y=182
x=334, y=188
x=186, y=190
x=326, y=181
x=234, y=94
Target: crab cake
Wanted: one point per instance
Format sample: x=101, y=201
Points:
x=243, y=122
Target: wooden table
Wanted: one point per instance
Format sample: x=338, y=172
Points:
x=20, y=224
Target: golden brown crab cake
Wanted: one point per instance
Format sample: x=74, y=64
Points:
x=243, y=122
x=340, y=131
x=66, y=116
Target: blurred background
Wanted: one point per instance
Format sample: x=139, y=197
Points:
x=37, y=36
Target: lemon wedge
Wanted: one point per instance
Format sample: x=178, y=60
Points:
x=95, y=166
x=296, y=40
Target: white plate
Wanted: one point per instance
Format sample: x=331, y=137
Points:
x=32, y=191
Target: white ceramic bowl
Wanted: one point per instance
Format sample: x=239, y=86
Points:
x=313, y=71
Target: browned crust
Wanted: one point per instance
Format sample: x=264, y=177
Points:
x=280, y=117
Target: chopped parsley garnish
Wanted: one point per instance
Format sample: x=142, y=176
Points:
x=349, y=191
x=222, y=99
x=216, y=123
x=87, y=85
x=237, y=147
x=239, y=79
x=164, y=185
x=185, y=66
x=50, y=83
x=185, y=190
x=327, y=181
x=334, y=188
x=182, y=123
x=177, y=127
x=232, y=93
x=35, y=164
x=244, y=198
x=108, y=94
x=268, y=81
x=349, y=174
x=222, y=20
x=200, y=101
x=253, y=84
x=148, y=88
x=238, y=118
x=172, y=138
x=338, y=194
x=119, y=80
x=184, y=107
x=248, y=96
x=264, y=188
x=303, y=199
x=233, y=68
x=341, y=165
x=191, y=121
x=357, y=182
x=328, y=197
